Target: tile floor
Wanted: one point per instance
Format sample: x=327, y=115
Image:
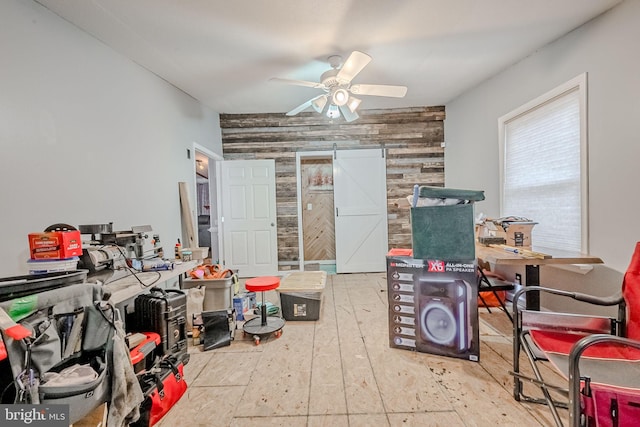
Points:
x=340, y=371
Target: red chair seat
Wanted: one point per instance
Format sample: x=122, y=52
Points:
x=604, y=363
x=561, y=343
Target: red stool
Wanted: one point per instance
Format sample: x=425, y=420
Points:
x=263, y=325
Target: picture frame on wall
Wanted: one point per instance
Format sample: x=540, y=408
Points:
x=320, y=177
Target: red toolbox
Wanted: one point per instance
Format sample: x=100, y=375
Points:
x=142, y=355
x=55, y=244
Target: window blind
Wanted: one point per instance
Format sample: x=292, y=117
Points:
x=542, y=170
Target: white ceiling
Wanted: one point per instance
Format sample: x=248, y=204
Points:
x=223, y=52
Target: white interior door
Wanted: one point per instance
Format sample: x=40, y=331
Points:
x=249, y=217
x=360, y=198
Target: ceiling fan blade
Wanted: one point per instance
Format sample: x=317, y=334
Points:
x=352, y=66
x=300, y=108
x=317, y=103
x=348, y=114
x=379, y=90
x=297, y=82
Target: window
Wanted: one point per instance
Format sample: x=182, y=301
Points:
x=543, y=158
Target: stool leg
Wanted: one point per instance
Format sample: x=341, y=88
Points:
x=263, y=311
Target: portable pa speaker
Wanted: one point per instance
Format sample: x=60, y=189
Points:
x=443, y=310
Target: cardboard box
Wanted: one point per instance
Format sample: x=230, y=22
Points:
x=433, y=306
x=55, y=244
x=196, y=253
x=514, y=233
x=243, y=303
x=519, y=233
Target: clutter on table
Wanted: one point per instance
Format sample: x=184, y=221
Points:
x=510, y=230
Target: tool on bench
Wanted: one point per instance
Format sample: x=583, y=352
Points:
x=109, y=255
x=526, y=253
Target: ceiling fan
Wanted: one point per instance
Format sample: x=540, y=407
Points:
x=336, y=83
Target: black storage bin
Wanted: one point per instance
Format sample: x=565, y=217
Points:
x=301, y=295
x=301, y=305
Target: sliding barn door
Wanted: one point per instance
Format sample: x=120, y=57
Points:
x=360, y=199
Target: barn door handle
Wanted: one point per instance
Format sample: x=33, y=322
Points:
x=336, y=211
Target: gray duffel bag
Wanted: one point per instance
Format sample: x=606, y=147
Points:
x=82, y=395
x=70, y=351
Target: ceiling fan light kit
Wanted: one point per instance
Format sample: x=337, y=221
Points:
x=319, y=103
x=333, y=112
x=339, y=97
x=353, y=103
x=339, y=90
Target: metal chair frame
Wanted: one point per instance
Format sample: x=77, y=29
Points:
x=575, y=379
x=487, y=285
x=525, y=320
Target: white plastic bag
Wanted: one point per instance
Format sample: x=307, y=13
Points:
x=195, y=304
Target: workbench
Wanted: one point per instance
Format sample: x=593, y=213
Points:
x=498, y=256
x=129, y=287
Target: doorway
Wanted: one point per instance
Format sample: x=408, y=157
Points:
x=318, y=225
x=356, y=197
x=207, y=206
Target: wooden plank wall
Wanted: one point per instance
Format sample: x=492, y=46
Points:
x=413, y=138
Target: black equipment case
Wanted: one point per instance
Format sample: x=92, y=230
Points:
x=164, y=311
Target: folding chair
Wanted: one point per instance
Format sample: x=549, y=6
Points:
x=600, y=345
x=594, y=400
x=485, y=284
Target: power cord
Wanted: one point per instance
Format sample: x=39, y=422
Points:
x=133, y=272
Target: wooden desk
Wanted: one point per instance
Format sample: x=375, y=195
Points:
x=499, y=256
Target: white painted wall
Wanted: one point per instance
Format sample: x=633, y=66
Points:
x=87, y=136
x=605, y=48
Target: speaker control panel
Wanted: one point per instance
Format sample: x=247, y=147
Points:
x=402, y=299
